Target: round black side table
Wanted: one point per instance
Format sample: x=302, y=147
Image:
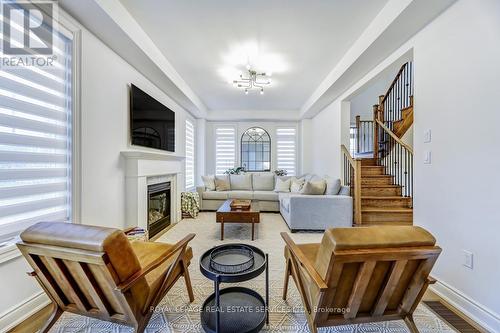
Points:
x=235, y=309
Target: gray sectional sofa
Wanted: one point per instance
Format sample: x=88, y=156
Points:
x=300, y=211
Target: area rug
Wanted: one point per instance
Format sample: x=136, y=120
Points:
x=175, y=314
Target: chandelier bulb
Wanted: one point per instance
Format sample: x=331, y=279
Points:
x=262, y=91
x=246, y=91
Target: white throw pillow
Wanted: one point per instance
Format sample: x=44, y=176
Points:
x=296, y=185
x=282, y=185
x=209, y=182
x=332, y=185
x=314, y=187
x=222, y=183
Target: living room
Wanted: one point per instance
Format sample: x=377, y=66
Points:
x=288, y=136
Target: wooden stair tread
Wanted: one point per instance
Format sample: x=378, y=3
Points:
x=376, y=176
x=387, y=197
x=386, y=210
x=381, y=185
x=372, y=166
x=368, y=224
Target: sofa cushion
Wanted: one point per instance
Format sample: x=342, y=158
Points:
x=282, y=185
x=314, y=187
x=241, y=182
x=285, y=203
x=265, y=195
x=222, y=183
x=345, y=190
x=215, y=195
x=209, y=182
x=240, y=194
x=263, y=182
x=296, y=185
x=332, y=185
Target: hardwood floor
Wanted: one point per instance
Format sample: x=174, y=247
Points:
x=452, y=316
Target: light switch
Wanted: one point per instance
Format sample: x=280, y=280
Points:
x=427, y=157
x=427, y=136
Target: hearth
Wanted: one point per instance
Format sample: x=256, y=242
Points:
x=158, y=207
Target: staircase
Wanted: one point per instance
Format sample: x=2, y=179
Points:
x=382, y=185
x=382, y=201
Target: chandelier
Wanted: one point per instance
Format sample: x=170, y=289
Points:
x=253, y=80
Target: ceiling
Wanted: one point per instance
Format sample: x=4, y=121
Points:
x=299, y=41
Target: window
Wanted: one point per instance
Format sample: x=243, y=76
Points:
x=189, y=155
x=256, y=150
x=35, y=140
x=225, y=148
x=286, y=149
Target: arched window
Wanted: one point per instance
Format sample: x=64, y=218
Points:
x=256, y=150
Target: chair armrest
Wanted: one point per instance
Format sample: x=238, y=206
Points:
x=304, y=262
x=134, y=278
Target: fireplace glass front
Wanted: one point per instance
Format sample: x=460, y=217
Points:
x=158, y=207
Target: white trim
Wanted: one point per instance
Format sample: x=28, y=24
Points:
x=22, y=311
x=483, y=316
x=9, y=252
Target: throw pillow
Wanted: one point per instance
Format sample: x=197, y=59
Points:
x=222, y=183
x=314, y=187
x=282, y=185
x=263, y=182
x=296, y=185
x=241, y=182
x=209, y=182
x=332, y=186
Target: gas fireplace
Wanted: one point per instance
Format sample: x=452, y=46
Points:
x=158, y=207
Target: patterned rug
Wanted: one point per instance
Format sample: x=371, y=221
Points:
x=175, y=314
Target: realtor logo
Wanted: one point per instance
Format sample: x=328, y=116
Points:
x=27, y=27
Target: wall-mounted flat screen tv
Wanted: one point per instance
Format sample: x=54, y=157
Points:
x=152, y=124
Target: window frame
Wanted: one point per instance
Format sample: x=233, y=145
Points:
x=270, y=149
x=296, y=139
x=193, y=125
x=234, y=127
x=69, y=27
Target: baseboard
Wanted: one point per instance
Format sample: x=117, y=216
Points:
x=477, y=312
x=22, y=311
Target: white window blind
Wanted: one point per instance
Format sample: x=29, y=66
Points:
x=35, y=141
x=225, y=148
x=286, y=149
x=189, y=155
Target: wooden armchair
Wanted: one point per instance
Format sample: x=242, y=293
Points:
x=358, y=275
x=97, y=272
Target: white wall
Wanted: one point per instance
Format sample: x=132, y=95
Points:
x=242, y=126
x=105, y=80
x=362, y=103
x=456, y=197
x=457, y=71
x=105, y=130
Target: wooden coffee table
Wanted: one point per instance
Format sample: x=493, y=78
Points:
x=225, y=215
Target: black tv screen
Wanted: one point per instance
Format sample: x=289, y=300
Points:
x=152, y=124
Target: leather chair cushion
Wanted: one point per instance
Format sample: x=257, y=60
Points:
x=111, y=241
x=378, y=237
x=147, y=252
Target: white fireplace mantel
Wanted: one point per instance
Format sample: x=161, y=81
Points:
x=147, y=167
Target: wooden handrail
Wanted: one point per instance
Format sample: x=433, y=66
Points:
x=356, y=165
x=394, y=82
x=348, y=155
x=394, y=136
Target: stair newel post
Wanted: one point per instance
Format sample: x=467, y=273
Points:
x=375, y=131
x=357, y=192
x=381, y=108
x=411, y=100
x=358, y=123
